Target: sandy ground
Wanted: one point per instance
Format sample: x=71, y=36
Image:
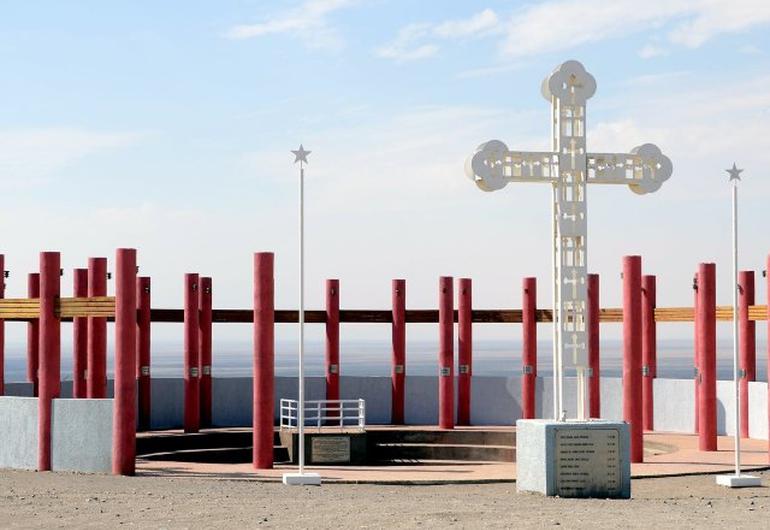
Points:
x=56, y=500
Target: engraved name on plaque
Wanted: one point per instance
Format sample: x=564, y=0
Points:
x=330, y=449
x=587, y=463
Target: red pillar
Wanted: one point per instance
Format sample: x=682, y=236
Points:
x=332, y=342
x=649, y=350
x=79, y=338
x=707, y=440
x=464, y=350
x=124, y=410
x=398, y=357
x=2, y=328
x=594, y=382
x=33, y=336
x=264, y=361
x=50, y=353
x=446, y=378
x=696, y=346
x=632, y=353
x=529, y=347
x=143, y=337
x=747, y=344
x=192, y=405
x=204, y=339
x=96, y=382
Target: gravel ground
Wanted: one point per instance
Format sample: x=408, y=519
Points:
x=51, y=500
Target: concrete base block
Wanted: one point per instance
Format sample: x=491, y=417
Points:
x=573, y=458
x=302, y=479
x=739, y=481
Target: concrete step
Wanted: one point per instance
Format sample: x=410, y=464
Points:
x=407, y=452
x=217, y=455
x=206, y=439
x=449, y=437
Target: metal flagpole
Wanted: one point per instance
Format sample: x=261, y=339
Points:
x=301, y=477
x=736, y=480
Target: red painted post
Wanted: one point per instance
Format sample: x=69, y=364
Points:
x=143, y=352
x=192, y=412
x=124, y=409
x=79, y=337
x=50, y=353
x=594, y=383
x=464, y=350
x=632, y=353
x=529, y=347
x=707, y=439
x=696, y=345
x=264, y=361
x=2, y=327
x=398, y=356
x=446, y=378
x=96, y=382
x=204, y=337
x=747, y=344
x=33, y=336
x=332, y=342
x=649, y=350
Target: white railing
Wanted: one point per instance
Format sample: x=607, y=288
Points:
x=325, y=412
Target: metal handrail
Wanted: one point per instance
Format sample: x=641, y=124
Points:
x=324, y=412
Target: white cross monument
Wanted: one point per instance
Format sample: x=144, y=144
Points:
x=568, y=168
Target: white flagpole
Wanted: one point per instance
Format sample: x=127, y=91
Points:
x=736, y=480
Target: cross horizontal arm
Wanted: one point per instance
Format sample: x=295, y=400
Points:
x=644, y=169
x=493, y=166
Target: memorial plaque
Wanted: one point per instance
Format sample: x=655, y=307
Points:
x=330, y=449
x=588, y=463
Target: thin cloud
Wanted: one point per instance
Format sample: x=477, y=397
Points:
x=308, y=21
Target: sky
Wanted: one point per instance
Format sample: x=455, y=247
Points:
x=167, y=126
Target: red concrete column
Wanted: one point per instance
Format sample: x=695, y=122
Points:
x=2, y=327
x=446, y=378
x=649, y=350
x=696, y=347
x=529, y=347
x=264, y=361
x=33, y=336
x=143, y=352
x=192, y=416
x=50, y=353
x=747, y=344
x=632, y=353
x=79, y=338
x=707, y=440
x=204, y=339
x=332, y=342
x=124, y=410
x=594, y=382
x=464, y=350
x=96, y=382
x=398, y=356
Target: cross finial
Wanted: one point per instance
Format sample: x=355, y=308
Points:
x=300, y=155
x=735, y=173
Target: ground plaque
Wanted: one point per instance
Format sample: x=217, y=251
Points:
x=573, y=458
x=330, y=449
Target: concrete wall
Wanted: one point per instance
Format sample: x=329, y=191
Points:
x=18, y=432
x=81, y=435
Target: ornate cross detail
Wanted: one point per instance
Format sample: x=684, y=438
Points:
x=568, y=167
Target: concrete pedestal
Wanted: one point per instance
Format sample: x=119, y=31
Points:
x=739, y=481
x=302, y=479
x=573, y=459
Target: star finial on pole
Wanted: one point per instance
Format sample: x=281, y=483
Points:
x=300, y=155
x=735, y=173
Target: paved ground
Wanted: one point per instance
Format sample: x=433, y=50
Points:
x=63, y=500
x=665, y=454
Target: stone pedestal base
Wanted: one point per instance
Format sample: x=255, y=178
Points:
x=739, y=481
x=573, y=458
x=302, y=479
